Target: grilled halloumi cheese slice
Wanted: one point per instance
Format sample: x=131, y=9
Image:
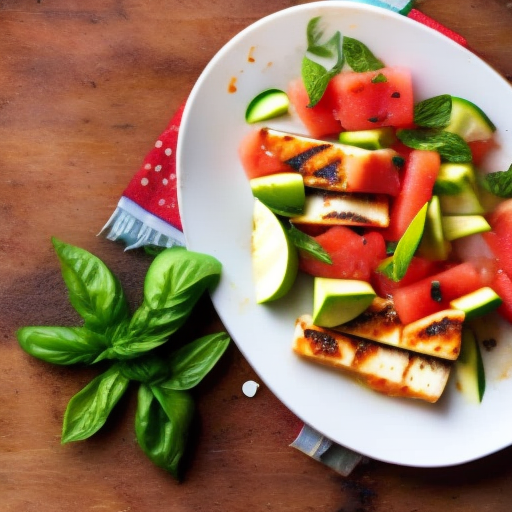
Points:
x=343, y=209
x=388, y=370
x=437, y=335
x=334, y=166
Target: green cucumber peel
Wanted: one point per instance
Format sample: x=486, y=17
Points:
x=499, y=183
x=395, y=267
x=268, y=104
x=175, y=281
x=451, y=147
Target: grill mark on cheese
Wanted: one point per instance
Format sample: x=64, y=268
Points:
x=389, y=370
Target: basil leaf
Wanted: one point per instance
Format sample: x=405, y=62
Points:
x=434, y=112
x=175, y=281
x=179, y=276
x=93, y=290
x=450, y=146
x=308, y=244
x=88, y=410
x=359, y=57
x=395, y=267
x=316, y=76
x=148, y=368
x=61, y=345
x=162, y=424
x=499, y=183
x=190, y=364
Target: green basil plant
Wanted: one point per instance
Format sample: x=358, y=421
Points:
x=175, y=281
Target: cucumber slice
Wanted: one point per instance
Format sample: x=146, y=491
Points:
x=337, y=301
x=469, y=368
x=283, y=193
x=456, y=186
x=459, y=226
x=267, y=105
x=477, y=303
x=379, y=138
x=469, y=121
x=433, y=245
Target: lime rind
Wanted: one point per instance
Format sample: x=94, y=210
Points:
x=266, y=105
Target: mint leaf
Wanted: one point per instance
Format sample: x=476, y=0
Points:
x=315, y=75
x=359, y=57
x=315, y=78
x=308, y=244
x=434, y=112
x=450, y=146
x=395, y=267
x=314, y=35
x=499, y=183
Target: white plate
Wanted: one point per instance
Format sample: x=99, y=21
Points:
x=216, y=208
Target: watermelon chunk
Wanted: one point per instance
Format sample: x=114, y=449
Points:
x=318, y=120
x=322, y=164
x=499, y=239
x=502, y=285
x=374, y=98
x=421, y=170
x=418, y=269
x=415, y=301
x=353, y=256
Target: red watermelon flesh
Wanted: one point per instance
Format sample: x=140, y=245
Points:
x=374, y=98
x=353, y=256
x=319, y=120
x=420, y=173
x=415, y=301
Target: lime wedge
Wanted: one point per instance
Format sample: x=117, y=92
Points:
x=267, y=105
x=283, y=193
x=337, y=301
x=274, y=258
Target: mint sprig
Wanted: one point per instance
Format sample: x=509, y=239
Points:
x=499, y=183
x=450, y=146
x=359, y=57
x=315, y=75
x=395, y=266
x=433, y=112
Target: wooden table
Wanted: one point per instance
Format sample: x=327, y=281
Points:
x=85, y=89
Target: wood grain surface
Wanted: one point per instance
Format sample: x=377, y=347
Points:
x=85, y=89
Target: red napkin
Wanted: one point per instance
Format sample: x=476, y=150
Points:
x=148, y=214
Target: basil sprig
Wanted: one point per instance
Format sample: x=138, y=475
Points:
x=499, y=183
x=175, y=281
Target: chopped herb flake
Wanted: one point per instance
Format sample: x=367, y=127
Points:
x=379, y=79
